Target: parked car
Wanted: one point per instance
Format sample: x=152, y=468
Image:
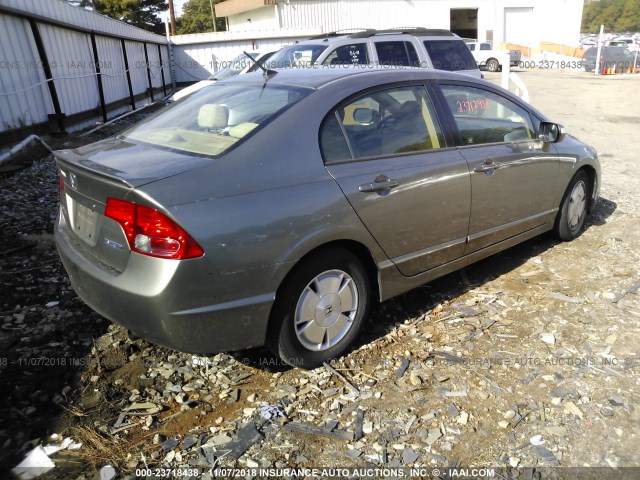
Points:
x=274, y=209
x=618, y=43
x=487, y=57
x=619, y=57
x=239, y=65
x=414, y=47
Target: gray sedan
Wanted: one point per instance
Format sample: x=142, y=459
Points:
x=274, y=209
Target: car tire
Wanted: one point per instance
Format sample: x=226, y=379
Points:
x=573, y=209
x=493, y=65
x=320, y=309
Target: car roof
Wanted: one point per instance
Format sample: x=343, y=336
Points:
x=317, y=77
x=333, y=37
x=607, y=48
x=321, y=76
x=604, y=47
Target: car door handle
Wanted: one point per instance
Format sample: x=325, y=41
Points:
x=487, y=167
x=379, y=185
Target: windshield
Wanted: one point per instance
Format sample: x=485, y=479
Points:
x=234, y=67
x=295, y=56
x=212, y=120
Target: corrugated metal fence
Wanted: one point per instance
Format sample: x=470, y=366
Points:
x=197, y=56
x=62, y=67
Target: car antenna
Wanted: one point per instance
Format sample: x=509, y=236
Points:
x=267, y=72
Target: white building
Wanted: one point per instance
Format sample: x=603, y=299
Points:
x=520, y=22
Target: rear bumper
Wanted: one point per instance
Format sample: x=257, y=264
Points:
x=183, y=305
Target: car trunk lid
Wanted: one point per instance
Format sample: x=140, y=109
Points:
x=131, y=164
x=111, y=168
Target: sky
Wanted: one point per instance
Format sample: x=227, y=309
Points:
x=177, y=5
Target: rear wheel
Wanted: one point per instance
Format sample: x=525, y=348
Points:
x=493, y=65
x=573, y=209
x=320, y=309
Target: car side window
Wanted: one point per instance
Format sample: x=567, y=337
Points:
x=450, y=55
x=397, y=54
x=485, y=46
x=353, y=54
x=387, y=122
x=485, y=117
x=332, y=142
x=472, y=46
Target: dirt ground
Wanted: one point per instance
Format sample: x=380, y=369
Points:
x=529, y=358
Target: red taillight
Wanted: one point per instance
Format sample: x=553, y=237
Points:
x=124, y=213
x=152, y=233
x=61, y=182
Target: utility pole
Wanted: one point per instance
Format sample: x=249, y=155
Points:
x=213, y=16
x=172, y=16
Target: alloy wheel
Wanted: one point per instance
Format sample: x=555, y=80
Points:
x=577, y=206
x=326, y=310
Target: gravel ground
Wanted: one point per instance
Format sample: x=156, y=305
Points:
x=527, y=359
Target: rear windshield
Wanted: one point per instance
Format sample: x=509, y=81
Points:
x=450, y=55
x=295, y=56
x=212, y=120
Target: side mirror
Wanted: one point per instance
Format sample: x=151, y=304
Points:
x=363, y=116
x=550, y=132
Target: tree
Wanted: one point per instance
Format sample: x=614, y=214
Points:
x=615, y=15
x=196, y=17
x=630, y=19
x=140, y=13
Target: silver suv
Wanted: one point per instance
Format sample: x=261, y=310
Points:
x=415, y=47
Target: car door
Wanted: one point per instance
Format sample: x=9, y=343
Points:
x=387, y=151
x=513, y=174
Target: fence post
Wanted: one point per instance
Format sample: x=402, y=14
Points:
x=505, y=61
x=47, y=73
x=164, y=85
x=132, y=99
x=96, y=60
x=146, y=59
x=172, y=66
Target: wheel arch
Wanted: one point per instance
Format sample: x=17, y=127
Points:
x=358, y=249
x=490, y=59
x=593, y=184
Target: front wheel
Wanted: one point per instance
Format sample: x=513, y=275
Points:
x=320, y=309
x=573, y=209
x=493, y=65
